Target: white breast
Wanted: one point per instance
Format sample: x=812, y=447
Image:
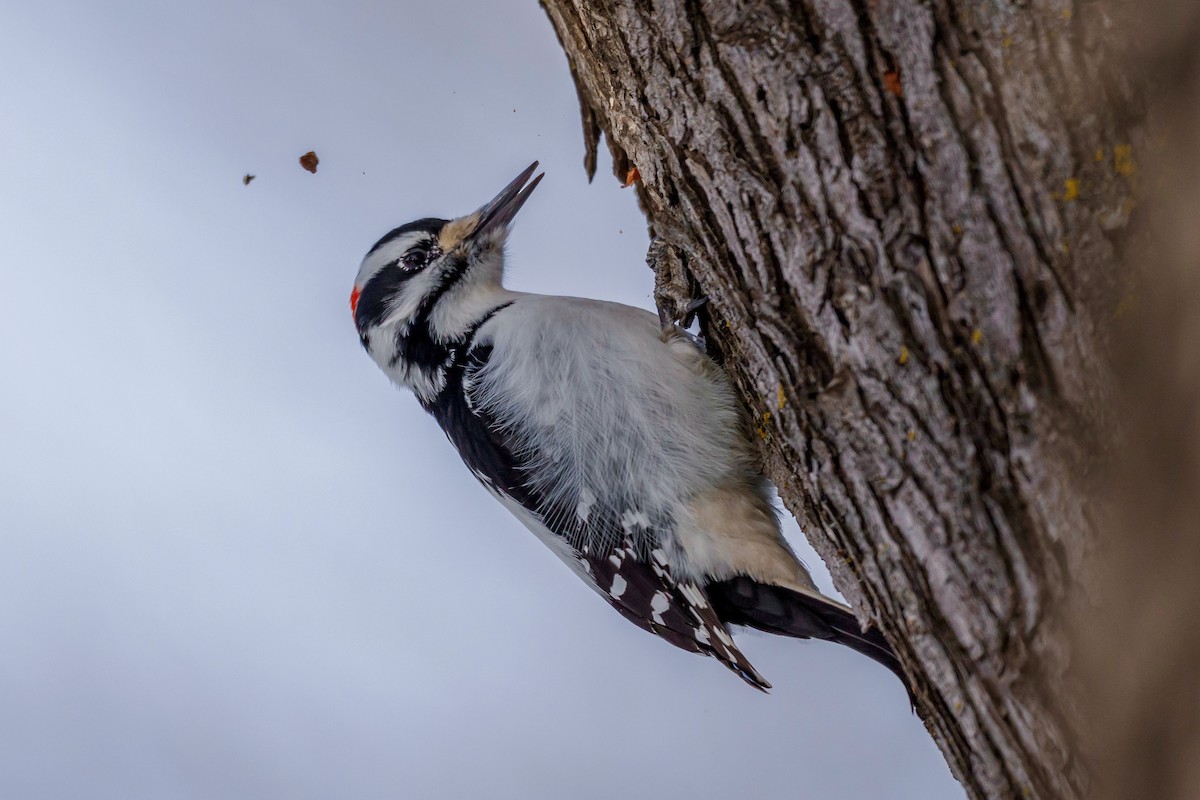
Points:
x=615, y=415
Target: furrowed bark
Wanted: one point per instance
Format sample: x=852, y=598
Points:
x=909, y=219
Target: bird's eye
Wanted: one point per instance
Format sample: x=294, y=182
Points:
x=414, y=259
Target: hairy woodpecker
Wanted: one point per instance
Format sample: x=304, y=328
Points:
x=615, y=440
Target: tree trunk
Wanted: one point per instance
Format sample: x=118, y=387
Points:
x=908, y=218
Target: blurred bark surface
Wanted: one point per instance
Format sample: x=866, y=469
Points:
x=909, y=217
x=1140, y=658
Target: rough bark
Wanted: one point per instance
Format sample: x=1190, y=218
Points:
x=909, y=217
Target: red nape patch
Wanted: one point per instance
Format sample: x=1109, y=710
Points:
x=354, y=300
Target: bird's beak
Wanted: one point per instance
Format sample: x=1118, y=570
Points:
x=503, y=207
x=493, y=217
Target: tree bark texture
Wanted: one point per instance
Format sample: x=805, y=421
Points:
x=908, y=216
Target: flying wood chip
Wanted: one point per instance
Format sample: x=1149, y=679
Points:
x=247, y=178
x=309, y=161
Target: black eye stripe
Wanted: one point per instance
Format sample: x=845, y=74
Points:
x=372, y=301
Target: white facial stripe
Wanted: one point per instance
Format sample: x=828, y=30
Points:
x=403, y=306
x=392, y=251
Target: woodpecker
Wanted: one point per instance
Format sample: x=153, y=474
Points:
x=611, y=436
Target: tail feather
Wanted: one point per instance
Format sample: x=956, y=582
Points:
x=774, y=609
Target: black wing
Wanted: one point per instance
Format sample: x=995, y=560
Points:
x=635, y=580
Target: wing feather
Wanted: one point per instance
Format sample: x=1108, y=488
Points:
x=619, y=551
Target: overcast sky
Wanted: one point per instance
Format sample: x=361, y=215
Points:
x=234, y=561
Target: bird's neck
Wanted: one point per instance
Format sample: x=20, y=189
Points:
x=420, y=353
x=452, y=320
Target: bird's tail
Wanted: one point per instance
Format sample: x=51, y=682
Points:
x=774, y=609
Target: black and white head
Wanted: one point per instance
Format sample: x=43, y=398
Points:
x=424, y=287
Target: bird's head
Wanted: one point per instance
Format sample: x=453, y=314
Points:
x=423, y=284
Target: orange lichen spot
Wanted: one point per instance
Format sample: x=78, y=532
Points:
x=1123, y=160
x=1006, y=42
x=903, y=357
x=976, y=336
x=1066, y=14
x=1099, y=154
x=912, y=435
x=1065, y=247
x=631, y=177
x=781, y=398
x=1070, y=189
x=891, y=82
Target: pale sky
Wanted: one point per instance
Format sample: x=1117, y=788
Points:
x=234, y=561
